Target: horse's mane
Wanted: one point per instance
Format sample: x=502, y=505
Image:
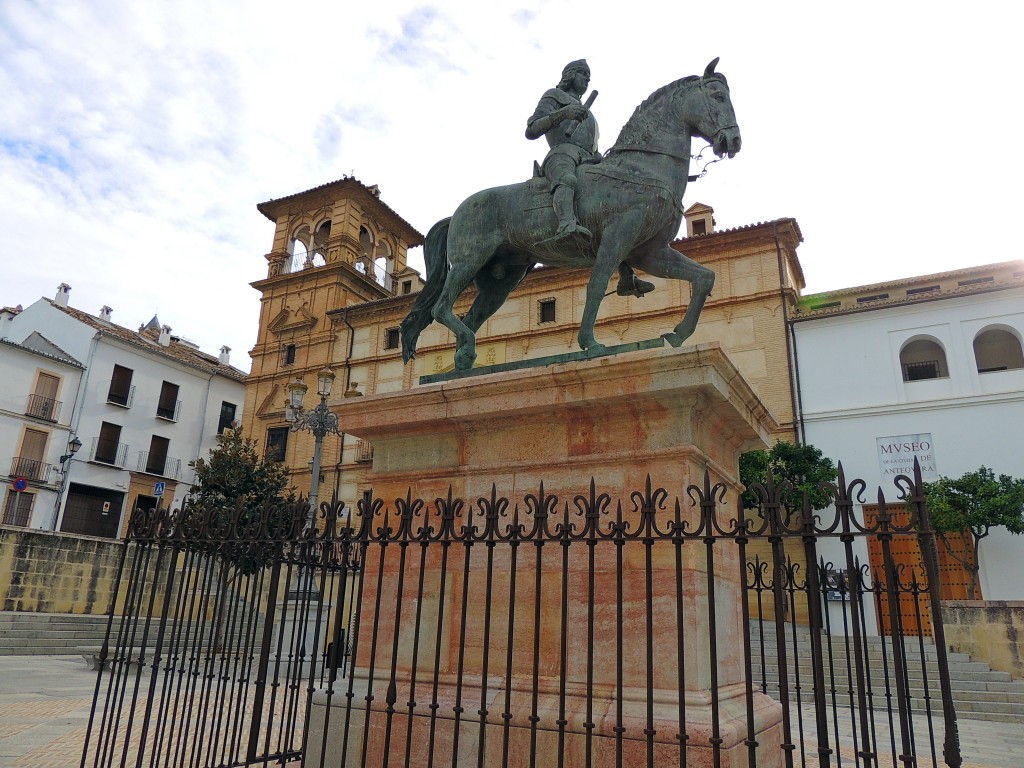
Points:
x=646, y=118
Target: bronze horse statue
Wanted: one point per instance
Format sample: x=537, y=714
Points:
x=631, y=201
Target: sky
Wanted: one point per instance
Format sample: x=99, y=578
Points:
x=136, y=139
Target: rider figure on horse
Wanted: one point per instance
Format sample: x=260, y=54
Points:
x=571, y=132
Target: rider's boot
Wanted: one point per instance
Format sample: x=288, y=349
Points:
x=630, y=284
x=565, y=210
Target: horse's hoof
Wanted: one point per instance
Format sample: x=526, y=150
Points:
x=674, y=339
x=464, y=361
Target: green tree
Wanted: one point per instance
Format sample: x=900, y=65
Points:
x=235, y=478
x=973, y=504
x=802, y=465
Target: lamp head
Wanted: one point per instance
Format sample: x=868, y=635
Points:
x=324, y=382
x=296, y=391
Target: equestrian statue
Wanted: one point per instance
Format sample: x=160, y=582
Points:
x=611, y=212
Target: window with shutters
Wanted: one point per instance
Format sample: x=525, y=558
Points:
x=121, y=390
x=157, y=458
x=168, y=405
x=107, y=448
x=30, y=461
x=42, y=403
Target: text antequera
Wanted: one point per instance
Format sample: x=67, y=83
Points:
x=896, y=455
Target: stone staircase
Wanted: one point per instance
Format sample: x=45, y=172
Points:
x=48, y=634
x=979, y=692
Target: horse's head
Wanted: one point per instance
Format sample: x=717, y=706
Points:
x=709, y=113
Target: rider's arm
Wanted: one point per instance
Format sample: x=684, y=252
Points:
x=548, y=114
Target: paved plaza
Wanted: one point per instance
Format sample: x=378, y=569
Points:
x=45, y=701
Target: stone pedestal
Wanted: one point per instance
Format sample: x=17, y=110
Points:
x=669, y=414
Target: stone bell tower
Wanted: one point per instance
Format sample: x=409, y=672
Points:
x=334, y=245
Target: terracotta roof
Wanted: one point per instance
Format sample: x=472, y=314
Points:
x=412, y=236
x=177, y=351
x=745, y=228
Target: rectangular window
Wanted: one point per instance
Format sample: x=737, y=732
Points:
x=925, y=289
x=167, y=407
x=277, y=443
x=700, y=227
x=157, y=458
x=42, y=403
x=391, y=338
x=108, y=444
x=547, y=310
x=976, y=281
x=406, y=286
x=121, y=388
x=18, y=508
x=29, y=461
x=875, y=297
x=289, y=354
x=227, y=416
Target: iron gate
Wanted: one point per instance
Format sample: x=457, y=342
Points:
x=539, y=631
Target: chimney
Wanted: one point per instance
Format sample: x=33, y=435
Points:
x=61, y=299
x=225, y=355
x=104, y=314
x=700, y=220
x=164, y=339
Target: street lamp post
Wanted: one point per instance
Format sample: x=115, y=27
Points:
x=320, y=421
x=74, y=445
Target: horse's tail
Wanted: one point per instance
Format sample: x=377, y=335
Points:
x=435, y=254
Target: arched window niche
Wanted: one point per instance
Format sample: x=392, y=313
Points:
x=998, y=348
x=923, y=358
x=318, y=257
x=298, y=247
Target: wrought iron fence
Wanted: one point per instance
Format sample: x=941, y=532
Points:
x=533, y=631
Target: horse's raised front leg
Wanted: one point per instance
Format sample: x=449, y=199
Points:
x=617, y=239
x=670, y=263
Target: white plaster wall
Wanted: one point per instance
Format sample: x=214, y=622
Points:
x=18, y=369
x=853, y=392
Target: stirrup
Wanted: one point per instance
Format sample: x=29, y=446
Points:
x=638, y=287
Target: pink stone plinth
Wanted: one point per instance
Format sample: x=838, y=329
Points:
x=668, y=414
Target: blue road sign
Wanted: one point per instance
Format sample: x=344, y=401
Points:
x=158, y=489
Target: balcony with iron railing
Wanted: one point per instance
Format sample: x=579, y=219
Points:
x=108, y=452
x=158, y=464
x=34, y=470
x=45, y=408
x=169, y=413
x=121, y=396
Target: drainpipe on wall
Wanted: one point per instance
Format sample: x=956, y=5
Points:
x=791, y=363
x=202, y=425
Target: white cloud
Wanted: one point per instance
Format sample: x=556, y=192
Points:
x=137, y=138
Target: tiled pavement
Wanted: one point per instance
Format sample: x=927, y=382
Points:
x=45, y=701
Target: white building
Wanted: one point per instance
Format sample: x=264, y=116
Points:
x=37, y=402
x=146, y=404
x=929, y=367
